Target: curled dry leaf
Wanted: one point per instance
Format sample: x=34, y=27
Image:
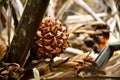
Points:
x=12, y=70
x=80, y=57
x=87, y=65
x=60, y=61
x=80, y=64
x=70, y=63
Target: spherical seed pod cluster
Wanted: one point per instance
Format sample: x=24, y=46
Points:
x=50, y=40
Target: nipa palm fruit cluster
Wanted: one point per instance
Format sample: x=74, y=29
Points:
x=50, y=40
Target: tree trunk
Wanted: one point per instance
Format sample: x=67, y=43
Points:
x=26, y=30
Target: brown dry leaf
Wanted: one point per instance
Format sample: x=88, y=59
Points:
x=91, y=61
x=69, y=64
x=4, y=72
x=88, y=32
x=12, y=70
x=112, y=68
x=3, y=50
x=79, y=44
x=77, y=69
x=60, y=61
x=79, y=57
x=85, y=65
x=43, y=68
x=93, y=70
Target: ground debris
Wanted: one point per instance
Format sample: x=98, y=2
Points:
x=10, y=71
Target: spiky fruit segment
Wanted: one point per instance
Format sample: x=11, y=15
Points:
x=50, y=40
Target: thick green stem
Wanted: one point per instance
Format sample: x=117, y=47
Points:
x=26, y=30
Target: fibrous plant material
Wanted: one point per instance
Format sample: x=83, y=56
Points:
x=50, y=40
